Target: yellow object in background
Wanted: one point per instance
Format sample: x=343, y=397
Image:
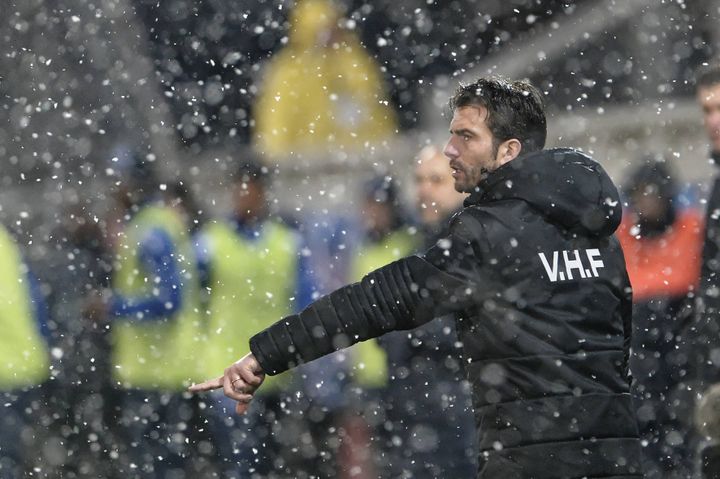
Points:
x=322, y=92
x=24, y=359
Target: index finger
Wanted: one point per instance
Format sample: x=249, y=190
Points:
x=208, y=385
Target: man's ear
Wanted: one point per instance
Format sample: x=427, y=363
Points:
x=508, y=151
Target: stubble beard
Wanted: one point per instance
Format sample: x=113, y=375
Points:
x=468, y=186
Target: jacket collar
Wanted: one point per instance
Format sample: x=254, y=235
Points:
x=482, y=191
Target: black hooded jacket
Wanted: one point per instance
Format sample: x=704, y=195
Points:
x=537, y=282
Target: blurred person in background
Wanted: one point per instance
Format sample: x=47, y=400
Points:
x=436, y=198
x=322, y=92
x=662, y=245
x=707, y=420
x=431, y=405
x=331, y=239
x=254, y=273
x=78, y=264
x=24, y=362
x=386, y=237
x=155, y=328
x=703, y=333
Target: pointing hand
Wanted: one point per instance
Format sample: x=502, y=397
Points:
x=239, y=382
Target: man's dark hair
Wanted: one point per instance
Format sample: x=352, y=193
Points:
x=708, y=76
x=515, y=110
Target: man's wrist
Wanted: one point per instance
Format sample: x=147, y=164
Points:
x=251, y=362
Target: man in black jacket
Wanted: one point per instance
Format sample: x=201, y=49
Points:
x=536, y=280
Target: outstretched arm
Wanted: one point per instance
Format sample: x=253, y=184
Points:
x=158, y=256
x=402, y=295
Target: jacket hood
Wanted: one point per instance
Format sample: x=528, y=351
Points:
x=308, y=19
x=568, y=187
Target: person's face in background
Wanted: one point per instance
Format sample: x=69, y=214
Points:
x=648, y=205
x=377, y=217
x=248, y=199
x=435, y=186
x=130, y=194
x=709, y=99
x=179, y=197
x=122, y=195
x=80, y=229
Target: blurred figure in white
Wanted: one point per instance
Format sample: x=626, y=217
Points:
x=437, y=198
x=435, y=426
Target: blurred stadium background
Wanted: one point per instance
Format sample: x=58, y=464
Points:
x=82, y=78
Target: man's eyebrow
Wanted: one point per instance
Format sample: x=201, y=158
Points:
x=461, y=131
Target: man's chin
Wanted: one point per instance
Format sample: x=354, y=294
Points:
x=463, y=188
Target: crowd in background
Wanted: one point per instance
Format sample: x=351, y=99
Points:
x=95, y=372
x=101, y=338
x=134, y=313
x=417, y=42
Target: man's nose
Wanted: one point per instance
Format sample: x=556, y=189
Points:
x=450, y=151
x=714, y=120
x=422, y=190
